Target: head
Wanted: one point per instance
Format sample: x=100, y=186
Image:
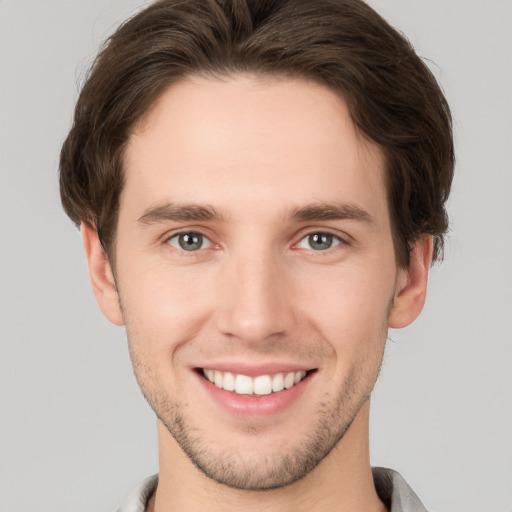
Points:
x=392, y=97
x=261, y=187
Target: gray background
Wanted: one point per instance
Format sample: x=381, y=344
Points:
x=75, y=433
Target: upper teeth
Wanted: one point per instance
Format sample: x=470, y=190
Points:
x=261, y=385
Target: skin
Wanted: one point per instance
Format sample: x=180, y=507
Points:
x=257, y=151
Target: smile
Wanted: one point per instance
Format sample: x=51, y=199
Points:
x=259, y=385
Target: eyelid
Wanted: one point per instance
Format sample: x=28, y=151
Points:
x=336, y=239
x=188, y=231
x=183, y=230
x=341, y=238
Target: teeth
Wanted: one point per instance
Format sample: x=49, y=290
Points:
x=229, y=381
x=243, y=385
x=261, y=385
x=289, y=380
x=299, y=376
x=278, y=382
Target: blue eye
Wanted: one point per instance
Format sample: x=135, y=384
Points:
x=319, y=241
x=189, y=241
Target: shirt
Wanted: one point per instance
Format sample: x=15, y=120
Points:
x=392, y=489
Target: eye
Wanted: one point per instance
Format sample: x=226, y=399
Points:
x=190, y=241
x=319, y=241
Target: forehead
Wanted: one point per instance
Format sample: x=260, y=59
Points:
x=241, y=140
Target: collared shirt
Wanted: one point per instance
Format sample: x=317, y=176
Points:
x=392, y=489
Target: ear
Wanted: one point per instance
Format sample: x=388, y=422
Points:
x=102, y=277
x=411, y=284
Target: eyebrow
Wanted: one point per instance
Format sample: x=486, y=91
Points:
x=179, y=212
x=186, y=212
x=332, y=211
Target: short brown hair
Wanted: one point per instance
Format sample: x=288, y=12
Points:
x=392, y=97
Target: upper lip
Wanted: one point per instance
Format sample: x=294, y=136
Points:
x=253, y=370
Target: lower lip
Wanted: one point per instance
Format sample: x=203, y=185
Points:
x=255, y=406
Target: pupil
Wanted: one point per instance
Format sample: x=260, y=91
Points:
x=190, y=242
x=320, y=241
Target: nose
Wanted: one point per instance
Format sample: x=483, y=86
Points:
x=255, y=298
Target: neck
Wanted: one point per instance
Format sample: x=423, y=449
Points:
x=341, y=482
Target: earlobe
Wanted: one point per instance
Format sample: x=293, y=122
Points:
x=411, y=285
x=102, y=278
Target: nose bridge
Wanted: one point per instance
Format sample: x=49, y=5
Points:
x=254, y=305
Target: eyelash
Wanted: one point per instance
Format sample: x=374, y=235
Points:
x=177, y=236
x=325, y=237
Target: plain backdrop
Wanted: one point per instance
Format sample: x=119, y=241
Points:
x=75, y=432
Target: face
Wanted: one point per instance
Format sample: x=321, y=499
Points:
x=256, y=273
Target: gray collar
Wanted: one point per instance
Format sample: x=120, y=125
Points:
x=392, y=489
x=395, y=492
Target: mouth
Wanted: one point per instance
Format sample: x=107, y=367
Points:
x=260, y=385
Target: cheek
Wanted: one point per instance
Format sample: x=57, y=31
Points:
x=346, y=304
x=350, y=306
x=165, y=305
x=160, y=316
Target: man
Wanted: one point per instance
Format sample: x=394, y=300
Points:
x=260, y=187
